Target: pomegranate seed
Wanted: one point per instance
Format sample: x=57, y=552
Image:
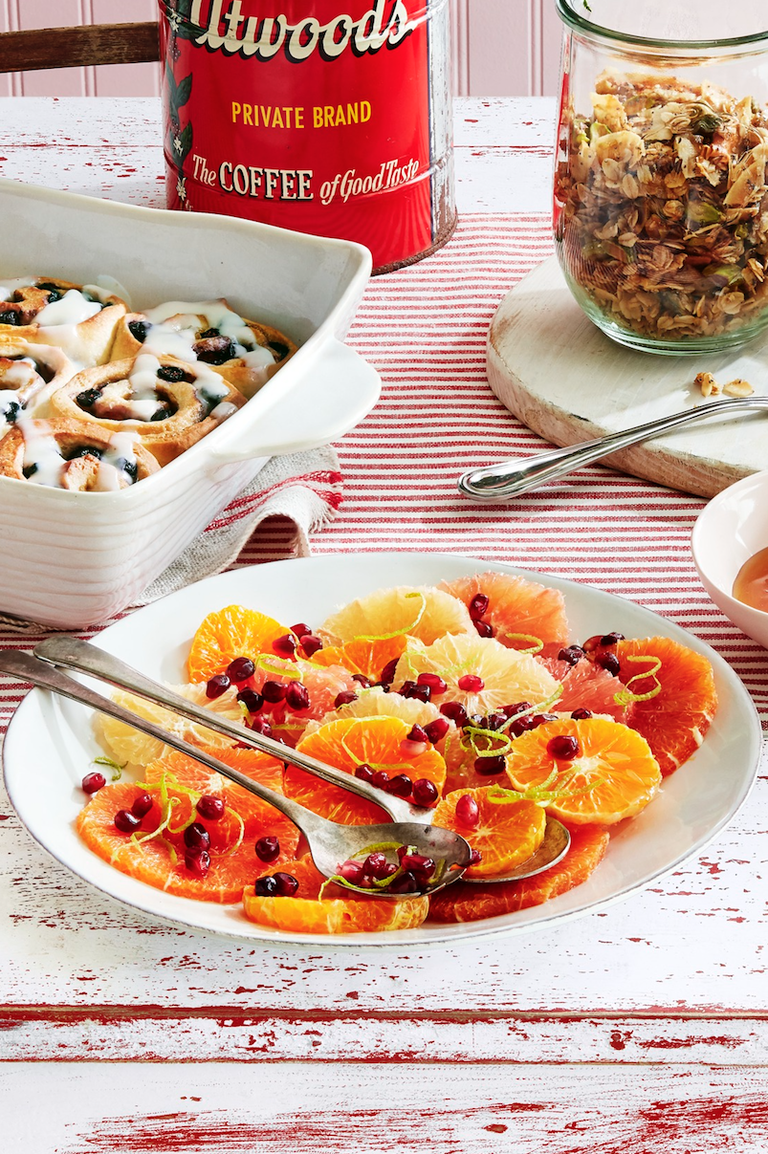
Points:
x=468, y=811
x=344, y=698
x=410, y=749
x=93, y=782
x=417, y=734
x=273, y=691
x=581, y=714
x=609, y=662
x=471, y=683
x=592, y=644
x=209, y=807
x=521, y=725
x=265, y=887
x=126, y=821
x=424, y=792
x=301, y=630
x=401, y=851
x=388, y=672
x=437, y=729
x=483, y=628
x=216, y=686
x=611, y=638
x=496, y=720
x=141, y=805
x=415, y=691
x=261, y=725
x=435, y=683
x=380, y=779
x=407, y=883
x=310, y=644
x=478, y=606
x=490, y=766
x=287, y=885
x=285, y=646
x=252, y=700
x=418, y=864
x=364, y=772
x=375, y=865
x=518, y=707
x=267, y=848
x=475, y=857
x=297, y=696
x=563, y=747
x=572, y=654
x=540, y=718
x=400, y=785
x=196, y=836
x=361, y=679
x=352, y=871
x=240, y=669
x=198, y=863
x=455, y=712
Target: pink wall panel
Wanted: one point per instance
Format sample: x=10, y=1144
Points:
x=501, y=48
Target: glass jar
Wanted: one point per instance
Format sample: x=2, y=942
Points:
x=661, y=178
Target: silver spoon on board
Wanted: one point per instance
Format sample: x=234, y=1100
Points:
x=329, y=843
x=496, y=483
x=72, y=653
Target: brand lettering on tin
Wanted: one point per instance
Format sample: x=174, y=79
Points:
x=386, y=23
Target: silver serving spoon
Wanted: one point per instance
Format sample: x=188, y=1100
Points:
x=73, y=653
x=329, y=843
x=495, y=483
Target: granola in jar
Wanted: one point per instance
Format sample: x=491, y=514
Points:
x=661, y=211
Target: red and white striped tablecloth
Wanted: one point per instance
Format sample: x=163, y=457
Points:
x=424, y=328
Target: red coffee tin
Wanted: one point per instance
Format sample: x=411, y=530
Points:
x=299, y=114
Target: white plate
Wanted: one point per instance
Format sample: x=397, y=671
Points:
x=50, y=745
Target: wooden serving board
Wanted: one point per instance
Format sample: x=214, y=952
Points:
x=563, y=378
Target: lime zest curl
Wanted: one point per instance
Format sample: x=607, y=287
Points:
x=536, y=643
x=625, y=696
x=110, y=763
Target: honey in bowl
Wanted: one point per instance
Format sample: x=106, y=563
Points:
x=751, y=584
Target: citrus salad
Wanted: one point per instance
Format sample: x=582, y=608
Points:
x=468, y=698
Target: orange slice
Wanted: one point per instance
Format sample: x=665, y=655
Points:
x=229, y=633
x=613, y=776
x=465, y=902
x=508, y=830
x=675, y=721
x=363, y=656
x=374, y=741
x=417, y=611
x=518, y=610
x=308, y=913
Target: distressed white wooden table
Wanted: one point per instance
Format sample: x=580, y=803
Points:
x=640, y=1029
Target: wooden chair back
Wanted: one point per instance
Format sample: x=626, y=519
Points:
x=38, y=48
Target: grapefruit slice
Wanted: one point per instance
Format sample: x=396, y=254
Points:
x=415, y=611
x=519, y=611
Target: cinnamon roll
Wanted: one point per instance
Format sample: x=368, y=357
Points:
x=170, y=405
x=74, y=455
x=79, y=319
x=28, y=374
x=245, y=353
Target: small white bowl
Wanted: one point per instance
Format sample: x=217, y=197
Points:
x=733, y=527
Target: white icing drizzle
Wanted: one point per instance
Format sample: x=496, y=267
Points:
x=21, y=374
x=112, y=473
x=9, y=287
x=41, y=449
x=216, y=314
x=71, y=309
x=166, y=340
x=222, y=411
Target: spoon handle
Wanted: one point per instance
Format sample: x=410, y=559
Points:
x=47, y=676
x=495, y=483
x=72, y=653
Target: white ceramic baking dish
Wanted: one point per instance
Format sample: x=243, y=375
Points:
x=72, y=559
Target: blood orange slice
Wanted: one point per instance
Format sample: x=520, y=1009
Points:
x=465, y=902
x=612, y=774
x=675, y=720
x=338, y=913
x=519, y=611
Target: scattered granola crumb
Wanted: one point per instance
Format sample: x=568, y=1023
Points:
x=738, y=388
x=707, y=383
